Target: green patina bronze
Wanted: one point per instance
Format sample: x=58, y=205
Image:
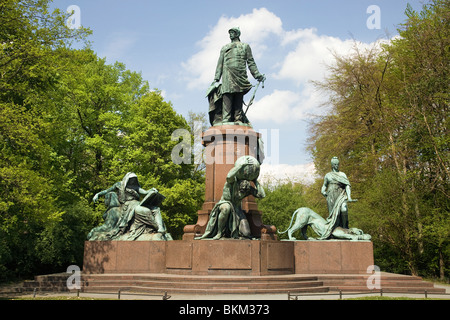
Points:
x=336, y=188
x=127, y=217
x=227, y=220
x=226, y=99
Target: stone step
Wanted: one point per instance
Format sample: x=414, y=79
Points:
x=199, y=290
x=11, y=291
x=387, y=289
x=171, y=277
x=383, y=284
x=365, y=277
x=204, y=283
x=388, y=283
x=211, y=284
x=181, y=284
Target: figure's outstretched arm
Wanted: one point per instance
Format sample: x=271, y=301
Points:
x=102, y=193
x=143, y=191
x=226, y=193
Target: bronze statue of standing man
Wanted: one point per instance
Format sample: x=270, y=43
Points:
x=232, y=68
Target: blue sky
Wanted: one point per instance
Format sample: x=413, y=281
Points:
x=176, y=44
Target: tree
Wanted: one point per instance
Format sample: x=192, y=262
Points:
x=28, y=37
x=280, y=203
x=87, y=110
x=421, y=65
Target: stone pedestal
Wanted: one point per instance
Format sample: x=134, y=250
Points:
x=198, y=257
x=228, y=257
x=223, y=146
x=332, y=256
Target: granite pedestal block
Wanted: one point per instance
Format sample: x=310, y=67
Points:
x=333, y=256
x=228, y=257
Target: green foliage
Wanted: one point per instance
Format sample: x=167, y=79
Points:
x=183, y=199
x=61, y=242
x=28, y=36
x=70, y=126
x=280, y=203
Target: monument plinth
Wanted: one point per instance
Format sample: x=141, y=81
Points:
x=223, y=146
x=228, y=257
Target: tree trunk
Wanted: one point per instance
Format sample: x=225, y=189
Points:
x=441, y=265
x=418, y=219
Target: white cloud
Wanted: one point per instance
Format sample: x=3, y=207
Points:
x=284, y=106
x=306, y=63
x=256, y=28
x=279, y=173
x=279, y=105
x=309, y=59
x=313, y=53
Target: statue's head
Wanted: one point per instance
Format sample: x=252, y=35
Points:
x=131, y=181
x=335, y=163
x=234, y=33
x=249, y=168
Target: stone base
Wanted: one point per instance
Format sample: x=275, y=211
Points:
x=228, y=257
x=333, y=256
x=198, y=257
